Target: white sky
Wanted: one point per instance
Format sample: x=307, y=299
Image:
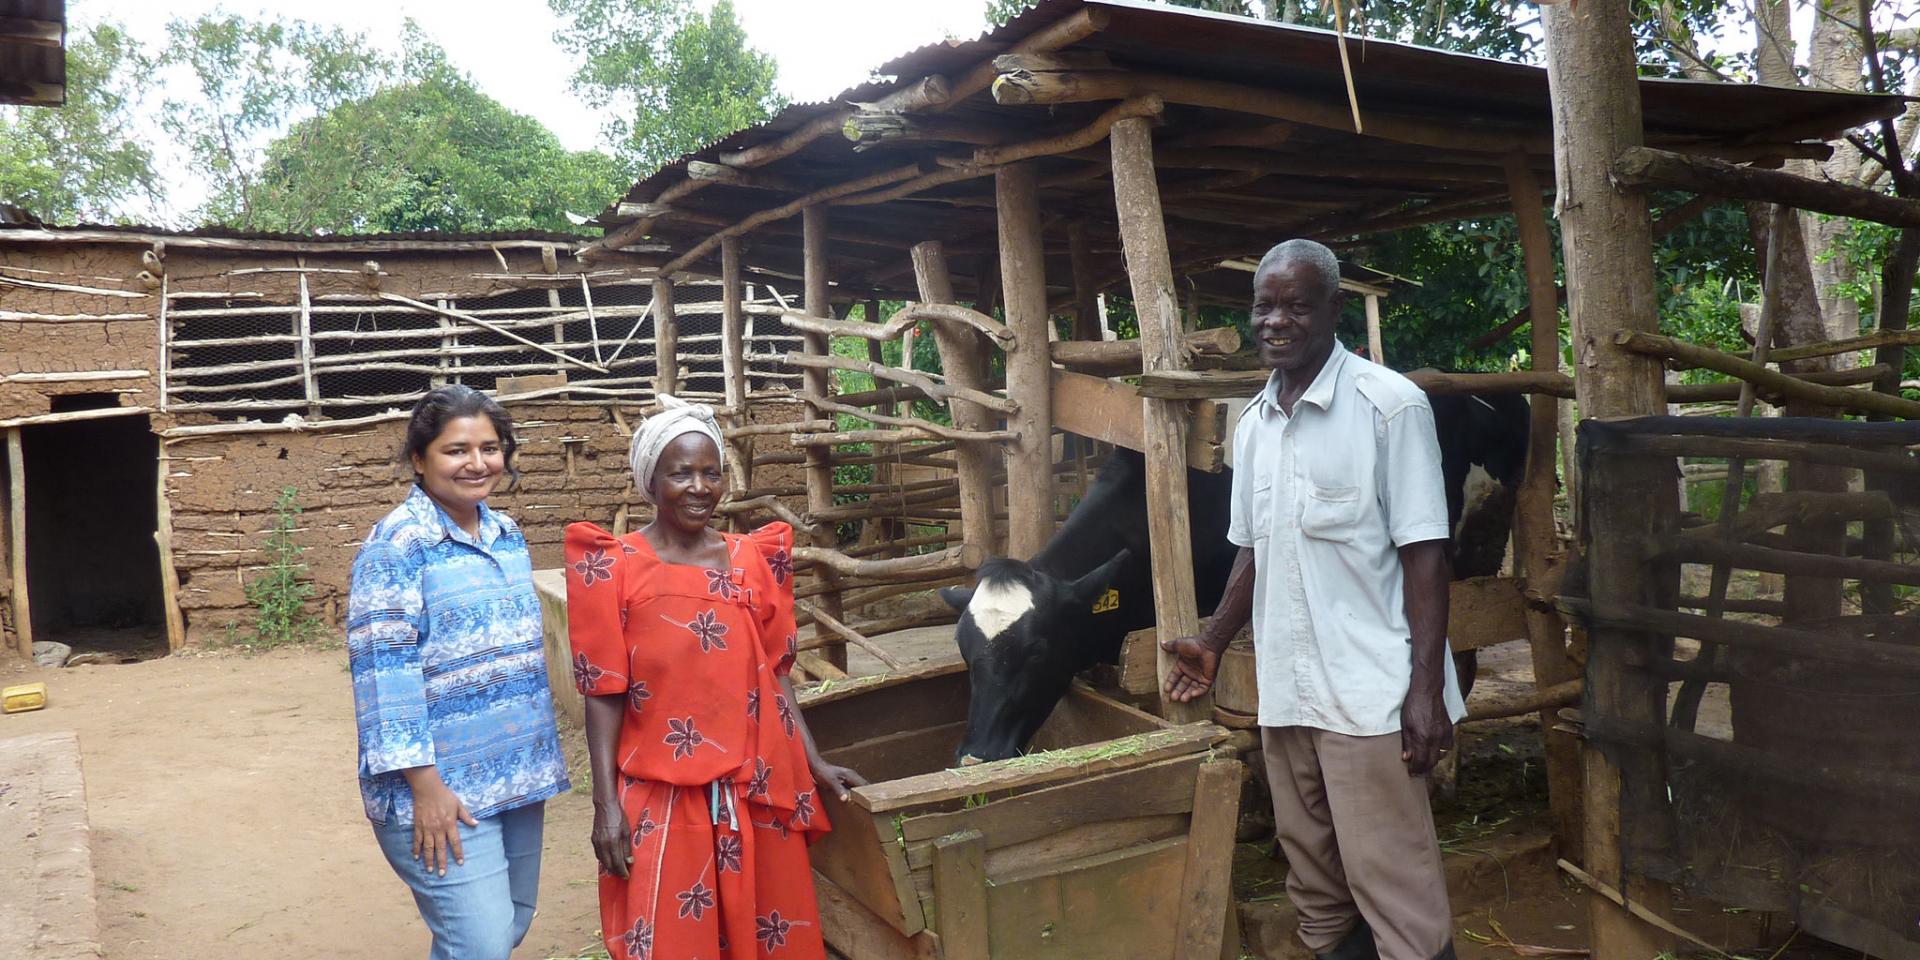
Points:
x=822, y=47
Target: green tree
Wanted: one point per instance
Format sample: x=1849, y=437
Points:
x=430, y=152
x=678, y=80
x=82, y=161
x=251, y=78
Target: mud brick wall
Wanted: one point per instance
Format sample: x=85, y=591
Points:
x=78, y=345
x=572, y=462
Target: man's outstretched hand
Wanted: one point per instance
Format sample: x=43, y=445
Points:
x=1194, y=667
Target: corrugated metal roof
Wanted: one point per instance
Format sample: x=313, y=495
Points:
x=1318, y=193
x=424, y=237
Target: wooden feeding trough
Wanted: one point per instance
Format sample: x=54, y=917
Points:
x=1117, y=824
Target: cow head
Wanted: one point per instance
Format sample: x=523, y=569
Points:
x=1018, y=631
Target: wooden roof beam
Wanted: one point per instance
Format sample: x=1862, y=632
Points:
x=1661, y=169
x=1064, y=32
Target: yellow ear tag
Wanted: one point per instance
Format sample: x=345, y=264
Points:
x=1108, y=602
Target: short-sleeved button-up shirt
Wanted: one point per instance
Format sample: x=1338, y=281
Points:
x=444, y=643
x=1326, y=497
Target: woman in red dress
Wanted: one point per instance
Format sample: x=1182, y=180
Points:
x=703, y=769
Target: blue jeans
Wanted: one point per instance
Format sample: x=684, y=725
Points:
x=481, y=909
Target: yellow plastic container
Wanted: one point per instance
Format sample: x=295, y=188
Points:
x=26, y=696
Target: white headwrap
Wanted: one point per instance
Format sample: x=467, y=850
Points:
x=676, y=417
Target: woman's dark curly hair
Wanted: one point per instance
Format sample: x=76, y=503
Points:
x=444, y=404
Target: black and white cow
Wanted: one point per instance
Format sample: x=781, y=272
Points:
x=1028, y=627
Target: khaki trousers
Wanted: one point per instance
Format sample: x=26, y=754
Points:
x=1359, y=840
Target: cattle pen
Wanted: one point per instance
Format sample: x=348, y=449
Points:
x=993, y=161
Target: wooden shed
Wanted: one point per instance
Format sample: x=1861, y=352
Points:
x=33, y=55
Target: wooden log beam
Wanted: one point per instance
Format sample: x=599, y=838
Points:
x=1029, y=372
x=1877, y=339
x=882, y=396
x=925, y=384
x=1826, y=647
x=1148, y=106
x=1536, y=537
x=1786, y=385
x=1122, y=357
x=927, y=566
x=1747, y=448
x=1661, y=169
x=850, y=635
x=1064, y=32
x=788, y=209
x=903, y=320
x=960, y=357
x=1143, y=236
x=1021, y=88
x=1218, y=384
x=1086, y=286
x=736, y=177
x=1545, y=699
x=816, y=288
x=1607, y=244
x=940, y=430
x=1729, y=392
x=666, y=336
x=870, y=128
x=1790, y=562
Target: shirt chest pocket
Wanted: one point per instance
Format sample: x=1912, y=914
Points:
x=1330, y=513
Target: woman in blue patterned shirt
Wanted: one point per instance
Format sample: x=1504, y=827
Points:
x=458, y=751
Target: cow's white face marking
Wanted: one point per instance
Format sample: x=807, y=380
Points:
x=1478, y=487
x=997, y=604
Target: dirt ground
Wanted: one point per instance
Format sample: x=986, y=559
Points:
x=227, y=820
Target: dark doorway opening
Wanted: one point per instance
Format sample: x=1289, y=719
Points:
x=93, y=569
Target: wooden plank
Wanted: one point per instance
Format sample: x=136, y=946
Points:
x=1084, y=717
x=1483, y=611
x=1112, y=905
x=1139, y=662
x=1038, y=768
x=855, y=931
x=1206, y=889
x=1143, y=235
x=1109, y=411
x=844, y=715
x=17, y=522
x=176, y=622
x=862, y=856
x=960, y=890
x=1070, y=843
x=905, y=753
x=1157, y=788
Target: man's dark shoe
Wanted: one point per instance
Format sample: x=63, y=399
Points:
x=1446, y=952
x=1358, y=945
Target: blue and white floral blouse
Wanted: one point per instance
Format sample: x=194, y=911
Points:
x=443, y=639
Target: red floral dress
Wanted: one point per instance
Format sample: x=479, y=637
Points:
x=714, y=776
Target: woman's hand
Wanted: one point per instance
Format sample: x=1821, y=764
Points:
x=840, y=779
x=437, y=816
x=612, y=844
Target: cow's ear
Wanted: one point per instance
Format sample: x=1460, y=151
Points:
x=1096, y=581
x=957, y=597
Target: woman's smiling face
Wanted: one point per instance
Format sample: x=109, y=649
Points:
x=687, y=482
x=462, y=465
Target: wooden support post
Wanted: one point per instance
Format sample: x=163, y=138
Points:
x=960, y=895
x=1023, y=284
x=1206, y=888
x=883, y=530
x=1535, y=541
x=305, y=330
x=1086, y=284
x=1606, y=238
x=17, y=532
x=960, y=358
x=819, y=382
x=163, y=372
x=1143, y=234
x=163, y=539
x=733, y=362
x=1375, y=351
x=666, y=339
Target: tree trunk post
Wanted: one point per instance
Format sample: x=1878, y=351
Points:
x=1607, y=243
x=819, y=382
x=881, y=529
x=1535, y=540
x=960, y=359
x=733, y=363
x=1143, y=235
x=666, y=339
x=1023, y=284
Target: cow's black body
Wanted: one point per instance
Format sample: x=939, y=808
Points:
x=1022, y=672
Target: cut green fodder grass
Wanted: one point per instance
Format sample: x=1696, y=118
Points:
x=1499, y=938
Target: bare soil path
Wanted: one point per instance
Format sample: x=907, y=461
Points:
x=227, y=821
